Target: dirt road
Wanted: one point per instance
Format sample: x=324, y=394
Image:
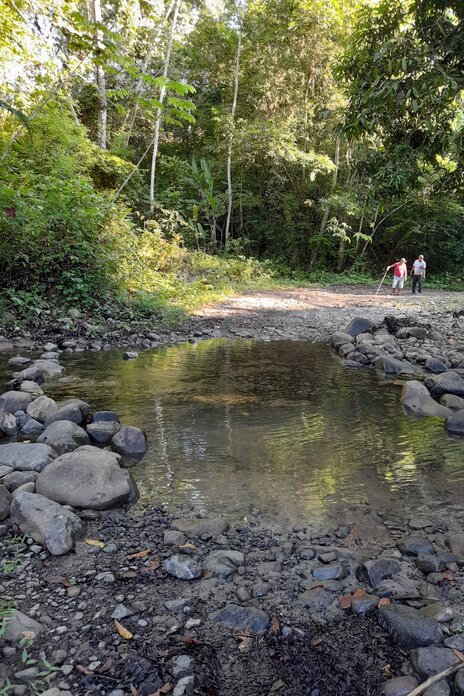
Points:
x=314, y=313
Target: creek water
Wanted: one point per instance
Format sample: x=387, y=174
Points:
x=237, y=426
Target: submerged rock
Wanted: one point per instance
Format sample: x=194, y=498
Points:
x=129, y=441
x=409, y=627
x=196, y=527
x=455, y=423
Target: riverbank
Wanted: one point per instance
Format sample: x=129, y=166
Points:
x=151, y=602
x=293, y=313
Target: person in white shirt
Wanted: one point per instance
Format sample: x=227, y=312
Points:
x=418, y=273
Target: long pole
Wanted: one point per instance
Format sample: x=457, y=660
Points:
x=381, y=282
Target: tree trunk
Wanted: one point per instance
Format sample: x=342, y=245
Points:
x=96, y=16
x=231, y=139
x=333, y=185
x=167, y=60
x=131, y=115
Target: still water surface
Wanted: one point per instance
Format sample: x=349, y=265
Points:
x=235, y=426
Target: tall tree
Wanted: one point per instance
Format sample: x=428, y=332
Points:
x=95, y=14
x=167, y=60
x=231, y=134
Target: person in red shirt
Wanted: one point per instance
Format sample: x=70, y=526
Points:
x=400, y=273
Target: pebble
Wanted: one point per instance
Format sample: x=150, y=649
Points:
x=73, y=591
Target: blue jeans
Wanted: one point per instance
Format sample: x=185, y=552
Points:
x=417, y=282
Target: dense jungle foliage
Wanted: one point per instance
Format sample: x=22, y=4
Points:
x=152, y=150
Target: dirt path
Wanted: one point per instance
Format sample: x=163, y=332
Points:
x=314, y=313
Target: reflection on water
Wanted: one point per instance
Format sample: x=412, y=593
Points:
x=237, y=425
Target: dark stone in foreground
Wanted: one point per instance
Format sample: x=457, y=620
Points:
x=429, y=661
x=415, y=545
x=409, y=627
x=241, y=618
x=357, y=326
x=373, y=572
x=400, y=686
x=455, y=423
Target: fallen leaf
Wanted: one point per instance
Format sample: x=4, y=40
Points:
x=140, y=554
x=67, y=582
x=128, y=575
x=152, y=566
x=387, y=671
x=123, y=632
x=316, y=641
x=84, y=670
x=275, y=625
x=189, y=640
x=46, y=564
x=95, y=542
x=246, y=643
x=345, y=602
x=166, y=688
x=187, y=547
x=448, y=575
x=458, y=654
x=360, y=592
x=134, y=691
x=106, y=665
x=383, y=602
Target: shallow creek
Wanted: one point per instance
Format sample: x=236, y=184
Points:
x=234, y=426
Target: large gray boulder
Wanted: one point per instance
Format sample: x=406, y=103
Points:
x=455, y=423
x=392, y=366
x=358, y=325
x=409, y=627
x=5, y=502
x=129, y=441
x=8, y=424
x=46, y=522
x=13, y=401
x=64, y=436
x=76, y=411
x=417, y=401
x=86, y=478
x=40, y=409
x=26, y=457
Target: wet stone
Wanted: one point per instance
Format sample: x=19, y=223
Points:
x=196, y=527
x=431, y=660
x=334, y=571
x=439, y=612
x=400, y=686
x=415, y=545
x=430, y=563
x=364, y=604
x=409, y=627
x=440, y=688
x=374, y=571
x=241, y=618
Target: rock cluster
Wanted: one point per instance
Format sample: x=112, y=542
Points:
x=431, y=365
x=62, y=466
